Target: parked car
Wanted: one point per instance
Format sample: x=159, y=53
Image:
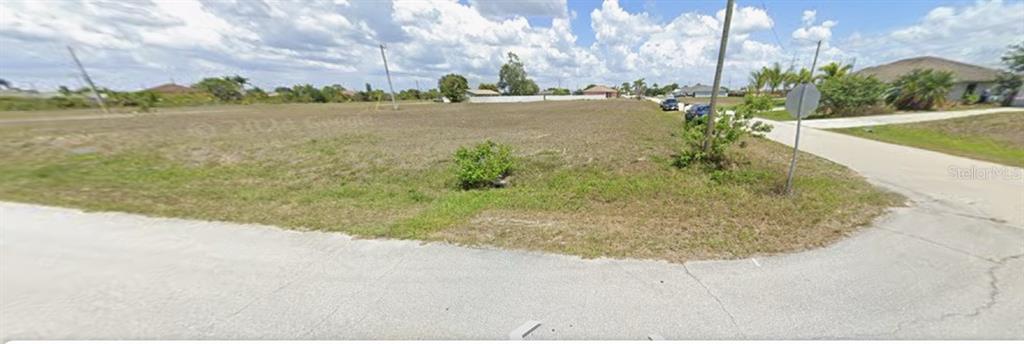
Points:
x=670, y=104
x=697, y=110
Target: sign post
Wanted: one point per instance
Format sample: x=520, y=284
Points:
x=801, y=102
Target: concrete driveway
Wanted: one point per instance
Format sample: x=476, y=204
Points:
x=947, y=266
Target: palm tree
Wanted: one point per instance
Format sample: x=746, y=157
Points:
x=803, y=76
x=834, y=70
x=639, y=85
x=758, y=79
x=920, y=89
x=774, y=76
x=789, y=78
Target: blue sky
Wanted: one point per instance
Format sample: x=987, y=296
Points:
x=130, y=45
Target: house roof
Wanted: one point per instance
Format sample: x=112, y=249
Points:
x=171, y=88
x=961, y=71
x=482, y=92
x=599, y=89
x=700, y=88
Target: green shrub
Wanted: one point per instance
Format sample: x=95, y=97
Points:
x=729, y=129
x=227, y=89
x=143, y=99
x=483, y=165
x=185, y=99
x=921, y=89
x=971, y=98
x=850, y=95
x=758, y=103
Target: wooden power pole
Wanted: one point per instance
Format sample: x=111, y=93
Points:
x=88, y=80
x=709, y=132
x=394, y=103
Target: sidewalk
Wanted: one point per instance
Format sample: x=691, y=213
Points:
x=863, y=121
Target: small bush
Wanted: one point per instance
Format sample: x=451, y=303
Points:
x=729, y=129
x=971, y=98
x=143, y=99
x=484, y=165
x=851, y=95
x=758, y=103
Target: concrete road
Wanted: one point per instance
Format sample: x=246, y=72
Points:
x=947, y=266
x=863, y=121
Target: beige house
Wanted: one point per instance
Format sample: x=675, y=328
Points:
x=607, y=92
x=968, y=78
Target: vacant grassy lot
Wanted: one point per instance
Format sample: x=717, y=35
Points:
x=997, y=138
x=594, y=177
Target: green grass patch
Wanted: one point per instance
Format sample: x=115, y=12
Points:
x=780, y=115
x=997, y=138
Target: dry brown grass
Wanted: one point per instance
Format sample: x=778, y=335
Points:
x=594, y=178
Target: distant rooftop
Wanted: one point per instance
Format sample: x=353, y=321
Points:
x=171, y=88
x=699, y=88
x=963, y=72
x=482, y=92
x=599, y=88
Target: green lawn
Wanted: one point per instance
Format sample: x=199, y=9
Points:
x=997, y=138
x=780, y=115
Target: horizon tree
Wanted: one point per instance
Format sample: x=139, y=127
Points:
x=513, y=80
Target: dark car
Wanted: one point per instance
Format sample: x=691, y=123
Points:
x=697, y=110
x=670, y=104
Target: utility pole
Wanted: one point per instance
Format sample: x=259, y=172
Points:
x=88, y=80
x=709, y=132
x=796, y=142
x=394, y=103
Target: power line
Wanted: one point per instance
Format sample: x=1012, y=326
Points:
x=774, y=33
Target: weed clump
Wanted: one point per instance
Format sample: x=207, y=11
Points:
x=487, y=164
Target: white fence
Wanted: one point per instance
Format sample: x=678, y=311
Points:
x=526, y=99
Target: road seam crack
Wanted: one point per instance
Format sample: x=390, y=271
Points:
x=993, y=296
x=721, y=304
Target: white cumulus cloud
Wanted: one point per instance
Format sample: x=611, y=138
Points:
x=128, y=45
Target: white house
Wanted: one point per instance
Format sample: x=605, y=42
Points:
x=699, y=91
